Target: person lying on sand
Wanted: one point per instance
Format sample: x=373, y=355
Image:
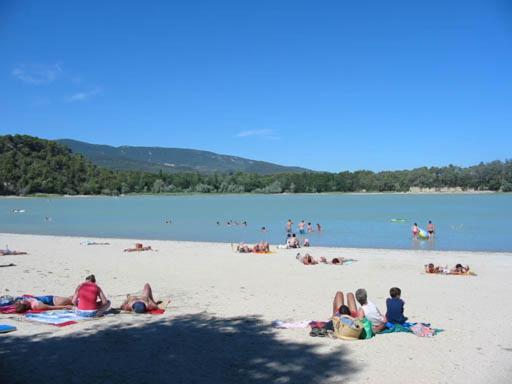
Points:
x=459, y=269
x=430, y=268
x=339, y=307
x=8, y=252
x=307, y=259
x=25, y=303
x=90, y=299
x=139, y=248
x=335, y=260
x=140, y=304
x=261, y=247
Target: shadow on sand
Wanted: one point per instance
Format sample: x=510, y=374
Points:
x=186, y=349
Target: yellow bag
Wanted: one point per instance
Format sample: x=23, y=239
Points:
x=346, y=327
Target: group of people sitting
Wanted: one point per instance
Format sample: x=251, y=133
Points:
x=307, y=259
x=459, y=269
x=394, y=308
x=292, y=241
x=87, y=301
x=261, y=247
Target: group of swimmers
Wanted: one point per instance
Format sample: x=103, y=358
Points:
x=89, y=300
x=302, y=227
x=394, y=308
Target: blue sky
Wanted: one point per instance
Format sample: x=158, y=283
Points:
x=331, y=85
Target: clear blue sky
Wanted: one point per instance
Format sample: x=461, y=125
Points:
x=328, y=85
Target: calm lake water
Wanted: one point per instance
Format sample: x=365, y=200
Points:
x=463, y=222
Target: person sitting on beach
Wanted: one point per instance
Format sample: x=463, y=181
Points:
x=395, y=307
x=140, y=304
x=306, y=243
x=307, y=259
x=339, y=307
x=26, y=303
x=8, y=252
x=138, y=248
x=459, y=269
x=293, y=242
x=370, y=311
x=90, y=299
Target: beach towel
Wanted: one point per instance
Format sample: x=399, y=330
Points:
x=419, y=329
x=162, y=306
x=4, y=328
x=290, y=325
x=59, y=318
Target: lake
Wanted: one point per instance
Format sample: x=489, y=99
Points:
x=477, y=222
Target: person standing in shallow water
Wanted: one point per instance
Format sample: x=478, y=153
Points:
x=430, y=229
x=289, y=226
x=415, y=231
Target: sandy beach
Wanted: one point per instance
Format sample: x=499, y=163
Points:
x=217, y=328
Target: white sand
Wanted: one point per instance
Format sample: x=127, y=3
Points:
x=217, y=328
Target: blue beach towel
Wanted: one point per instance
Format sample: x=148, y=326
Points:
x=59, y=317
x=4, y=328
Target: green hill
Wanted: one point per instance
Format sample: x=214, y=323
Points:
x=172, y=160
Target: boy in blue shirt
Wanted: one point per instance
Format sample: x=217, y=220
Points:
x=395, y=307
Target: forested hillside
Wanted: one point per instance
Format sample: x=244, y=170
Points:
x=31, y=165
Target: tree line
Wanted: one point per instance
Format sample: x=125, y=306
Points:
x=29, y=165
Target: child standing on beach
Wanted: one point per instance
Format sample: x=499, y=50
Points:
x=395, y=307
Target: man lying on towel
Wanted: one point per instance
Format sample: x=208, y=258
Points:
x=140, y=304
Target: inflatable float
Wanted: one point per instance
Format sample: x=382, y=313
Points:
x=423, y=235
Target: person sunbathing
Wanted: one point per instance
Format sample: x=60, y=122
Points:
x=459, y=269
x=140, y=304
x=430, y=268
x=8, y=252
x=243, y=248
x=26, y=303
x=307, y=259
x=139, y=248
x=262, y=246
x=335, y=260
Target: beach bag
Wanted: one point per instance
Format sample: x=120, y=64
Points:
x=367, y=332
x=346, y=327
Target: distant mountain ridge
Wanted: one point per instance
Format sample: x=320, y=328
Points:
x=171, y=160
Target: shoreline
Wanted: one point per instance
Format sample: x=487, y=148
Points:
x=272, y=246
x=223, y=298
x=422, y=192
